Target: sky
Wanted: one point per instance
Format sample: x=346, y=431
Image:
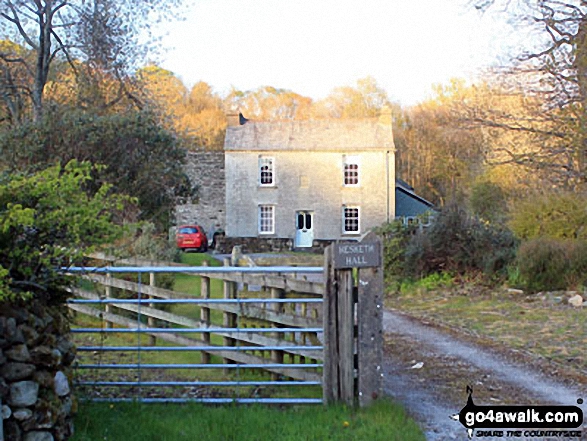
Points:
x=314, y=46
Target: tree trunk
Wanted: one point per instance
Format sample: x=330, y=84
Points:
x=43, y=58
x=581, y=74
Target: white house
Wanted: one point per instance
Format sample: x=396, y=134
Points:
x=307, y=182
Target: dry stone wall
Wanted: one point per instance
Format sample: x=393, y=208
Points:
x=205, y=170
x=36, y=359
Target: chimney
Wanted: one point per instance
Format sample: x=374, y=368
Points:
x=232, y=119
x=235, y=119
x=385, y=116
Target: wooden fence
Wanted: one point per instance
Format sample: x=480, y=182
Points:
x=348, y=326
x=233, y=315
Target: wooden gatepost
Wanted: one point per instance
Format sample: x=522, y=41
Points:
x=353, y=330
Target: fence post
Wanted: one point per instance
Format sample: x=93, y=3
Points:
x=341, y=340
x=229, y=319
x=370, y=329
x=205, y=314
x=315, y=315
x=108, y=292
x=276, y=356
x=150, y=320
x=303, y=335
x=338, y=382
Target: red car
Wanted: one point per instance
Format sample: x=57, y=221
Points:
x=191, y=237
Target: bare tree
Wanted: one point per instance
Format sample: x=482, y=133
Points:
x=106, y=35
x=553, y=70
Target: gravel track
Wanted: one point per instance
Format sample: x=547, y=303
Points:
x=436, y=391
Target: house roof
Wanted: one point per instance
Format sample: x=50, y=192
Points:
x=407, y=189
x=308, y=135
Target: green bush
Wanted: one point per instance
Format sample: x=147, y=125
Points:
x=488, y=202
x=428, y=283
x=514, y=278
x=50, y=220
x=395, y=240
x=147, y=244
x=143, y=242
x=547, y=264
x=577, y=277
x=556, y=215
x=458, y=243
x=140, y=157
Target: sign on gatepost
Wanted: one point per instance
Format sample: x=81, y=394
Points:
x=353, y=352
x=357, y=255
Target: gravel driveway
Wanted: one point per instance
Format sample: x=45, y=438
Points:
x=427, y=370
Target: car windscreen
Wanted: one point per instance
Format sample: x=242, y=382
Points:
x=188, y=230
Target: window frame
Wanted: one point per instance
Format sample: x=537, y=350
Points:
x=344, y=219
x=266, y=161
x=261, y=209
x=347, y=161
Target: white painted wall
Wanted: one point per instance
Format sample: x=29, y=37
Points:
x=308, y=180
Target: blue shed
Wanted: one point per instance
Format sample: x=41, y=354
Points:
x=409, y=207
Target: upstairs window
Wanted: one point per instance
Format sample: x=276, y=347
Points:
x=266, y=171
x=350, y=219
x=266, y=219
x=350, y=171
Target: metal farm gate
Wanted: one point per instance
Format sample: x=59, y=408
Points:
x=250, y=335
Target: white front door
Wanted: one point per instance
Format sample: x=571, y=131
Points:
x=304, y=229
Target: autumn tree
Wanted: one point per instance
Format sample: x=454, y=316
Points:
x=436, y=153
x=108, y=36
x=365, y=100
x=204, y=119
x=525, y=146
x=268, y=103
x=197, y=116
x=14, y=80
x=162, y=92
x=483, y=133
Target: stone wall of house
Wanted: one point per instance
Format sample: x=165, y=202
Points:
x=36, y=356
x=309, y=181
x=248, y=245
x=205, y=169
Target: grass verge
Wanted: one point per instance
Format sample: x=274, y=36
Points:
x=383, y=421
x=542, y=325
